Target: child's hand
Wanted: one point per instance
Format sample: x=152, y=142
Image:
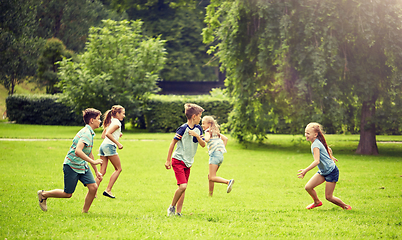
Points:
x=301, y=173
x=168, y=165
x=99, y=176
x=120, y=146
x=121, y=134
x=193, y=133
x=99, y=161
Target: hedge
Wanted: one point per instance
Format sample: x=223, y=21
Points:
x=40, y=109
x=165, y=113
x=162, y=113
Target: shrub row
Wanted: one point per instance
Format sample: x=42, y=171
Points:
x=162, y=113
x=40, y=109
x=165, y=113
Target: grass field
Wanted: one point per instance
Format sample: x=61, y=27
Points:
x=267, y=201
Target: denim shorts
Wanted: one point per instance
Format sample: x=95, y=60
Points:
x=71, y=178
x=332, y=176
x=107, y=149
x=216, y=158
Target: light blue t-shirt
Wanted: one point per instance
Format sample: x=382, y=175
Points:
x=326, y=164
x=187, y=144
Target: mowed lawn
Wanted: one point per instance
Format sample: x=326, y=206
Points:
x=267, y=201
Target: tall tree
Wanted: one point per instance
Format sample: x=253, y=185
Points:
x=120, y=66
x=53, y=52
x=19, y=47
x=301, y=61
x=70, y=20
x=180, y=23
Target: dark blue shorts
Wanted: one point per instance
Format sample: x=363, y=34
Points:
x=332, y=176
x=71, y=178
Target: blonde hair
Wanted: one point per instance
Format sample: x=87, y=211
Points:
x=107, y=117
x=214, y=127
x=191, y=109
x=320, y=133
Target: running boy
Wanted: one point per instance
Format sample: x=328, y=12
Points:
x=187, y=138
x=75, y=165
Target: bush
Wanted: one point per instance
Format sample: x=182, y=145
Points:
x=165, y=113
x=40, y=109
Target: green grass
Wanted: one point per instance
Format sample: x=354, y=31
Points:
x=268, y=200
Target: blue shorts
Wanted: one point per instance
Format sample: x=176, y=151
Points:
x=216, y=158
x=107, y=149
x=71, y=178
x=332, y=176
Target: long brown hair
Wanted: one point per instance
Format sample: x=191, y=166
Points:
x=320, y=134
x=107, y=117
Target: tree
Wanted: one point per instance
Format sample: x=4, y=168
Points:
x=53, y=52
x=301, y=61
x=119, y=66
x=18, y=44
x=70, y=20
x=180, y=23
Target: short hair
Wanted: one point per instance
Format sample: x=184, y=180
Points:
x=89, y=113
x=191, y=109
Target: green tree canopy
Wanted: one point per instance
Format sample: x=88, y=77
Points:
x=119, y=66
x=19, y=47
x=180, y=23
x=292, y=62
x=53, y=52
x=70, y=20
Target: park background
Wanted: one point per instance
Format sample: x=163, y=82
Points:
x=276, y=66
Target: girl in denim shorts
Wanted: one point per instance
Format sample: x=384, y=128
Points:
x=108, y=149
x=216, y=148
x=328, y=172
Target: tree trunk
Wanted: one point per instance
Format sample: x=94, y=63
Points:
x=367, y=144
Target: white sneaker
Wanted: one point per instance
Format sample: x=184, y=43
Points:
x=42, y=201
x=171, y=211
x=230, y=185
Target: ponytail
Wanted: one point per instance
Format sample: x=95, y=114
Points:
x=107, y=117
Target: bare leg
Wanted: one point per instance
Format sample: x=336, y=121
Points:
x=180, y=203
x=92, y=188
x=102, y=171
x=329, y=191
x=213, y=168
x=315, y=180
x=57, y=193
x=178, y=197
x=115, y=160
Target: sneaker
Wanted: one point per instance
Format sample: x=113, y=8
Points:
x=179, y=214
x=311, y=206
x=42, y=201
x=230, y=185
x=171, y=211
x=348, y=207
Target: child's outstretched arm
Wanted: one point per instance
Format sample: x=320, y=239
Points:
x=200, y=140
x=97, y=173
x=83, y=156
x=168, y=163
x=302, y=172
x=224, y=139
